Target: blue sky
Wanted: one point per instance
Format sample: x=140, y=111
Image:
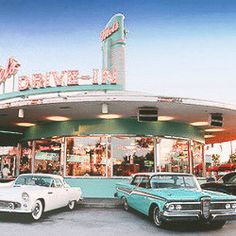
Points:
x=183, y=48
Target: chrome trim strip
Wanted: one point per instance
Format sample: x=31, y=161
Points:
x=124, y=190
x=137, y=192
x=224, y=202
x=180, y=214
x=184, y=203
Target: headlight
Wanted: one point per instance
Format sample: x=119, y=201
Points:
x=171, y=207
x=25, y=196
x=178, y=207
x=234, y=206
x=227, y=206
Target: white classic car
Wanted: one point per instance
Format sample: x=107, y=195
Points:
x=38, y=193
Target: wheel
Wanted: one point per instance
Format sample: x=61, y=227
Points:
x=125, y=204
x=72, y=205
x=218, y=224
x=37, y=210
x=156, y=217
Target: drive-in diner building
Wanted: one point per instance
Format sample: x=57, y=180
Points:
x=90, y=129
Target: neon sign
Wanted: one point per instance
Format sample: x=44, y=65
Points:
x=11, y=69
x=65, y=78
x=109, y=31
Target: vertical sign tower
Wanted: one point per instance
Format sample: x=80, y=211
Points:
x=113, y=48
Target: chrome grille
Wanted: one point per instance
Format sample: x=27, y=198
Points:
x=8, y=205
x=206, y=206
x=191, y=207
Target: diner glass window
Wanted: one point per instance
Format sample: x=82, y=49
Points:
x=8, y=160
x=173, y=155
x=197, y=158
x=26, y=157
x=86, y=156
x=48, y=156
x=131, y=155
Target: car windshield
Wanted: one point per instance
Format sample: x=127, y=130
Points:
x=229, y=178
x=173, y=181
x=34, y=180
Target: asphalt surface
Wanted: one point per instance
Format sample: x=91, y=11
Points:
x=97, y=221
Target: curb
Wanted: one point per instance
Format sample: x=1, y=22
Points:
x=100, y=203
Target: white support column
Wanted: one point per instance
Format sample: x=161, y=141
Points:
x=111, y=157
x=155, y=154
x=203, y=161
x=18, y=156
x=64, y=155
x=107, y=156
x=190, y=156
x=33, y=156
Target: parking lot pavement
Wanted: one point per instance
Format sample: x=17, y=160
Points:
x=96, y=222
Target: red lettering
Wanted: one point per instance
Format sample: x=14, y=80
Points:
x=72, y=77
x=23, y=83
x=37, y=81
x=109, y=76
x=109, y=31
x=58, y=78
x=11, y=69
x=95, y=76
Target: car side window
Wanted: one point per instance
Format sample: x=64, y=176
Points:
x=144, y=182
x=136, y=181
x=53, y=184
x=232, y=180
x=58, y=182
x=141, y=181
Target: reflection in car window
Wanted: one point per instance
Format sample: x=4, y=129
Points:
x=34, y=180
x=59, y=184
x=173, y=181
x=136, y=181
x=232, y=180
x=229, y=178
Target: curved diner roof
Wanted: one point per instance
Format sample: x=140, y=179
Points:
x=87, y=104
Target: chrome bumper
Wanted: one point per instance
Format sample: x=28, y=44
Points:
x=197, y=216
x=14, y=211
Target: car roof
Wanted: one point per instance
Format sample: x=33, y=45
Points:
x=42, y=174
x=162, y=173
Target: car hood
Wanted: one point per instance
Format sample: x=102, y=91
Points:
x=16, y=191
x=189, y=194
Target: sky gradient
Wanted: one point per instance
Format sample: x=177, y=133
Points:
x=184, y=48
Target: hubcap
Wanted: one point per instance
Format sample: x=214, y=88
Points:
x=125, y=204
x=37, y=211
x=156, y=217
x=71, y=205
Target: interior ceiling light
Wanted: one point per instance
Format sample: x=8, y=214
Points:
x=165, y=118
x=57, y=118
x=200, y=123
x=214, y=130
x=109, y=116
x=209, y=136
x=25, y=124
x=104, y=108
x=21, y=113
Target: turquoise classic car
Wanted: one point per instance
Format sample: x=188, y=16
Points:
x=175, y=197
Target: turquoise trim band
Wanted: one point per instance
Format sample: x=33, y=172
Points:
x=114, y=127
x=29, y=92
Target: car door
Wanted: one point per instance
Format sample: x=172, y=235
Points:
x=61, y=192
x=137, y=198
x=52, y=200
x=141, y=196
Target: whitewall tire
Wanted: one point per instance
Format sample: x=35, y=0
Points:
x=37, y=210
x=156, y=217
x=125, y=204
x=72, y=205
